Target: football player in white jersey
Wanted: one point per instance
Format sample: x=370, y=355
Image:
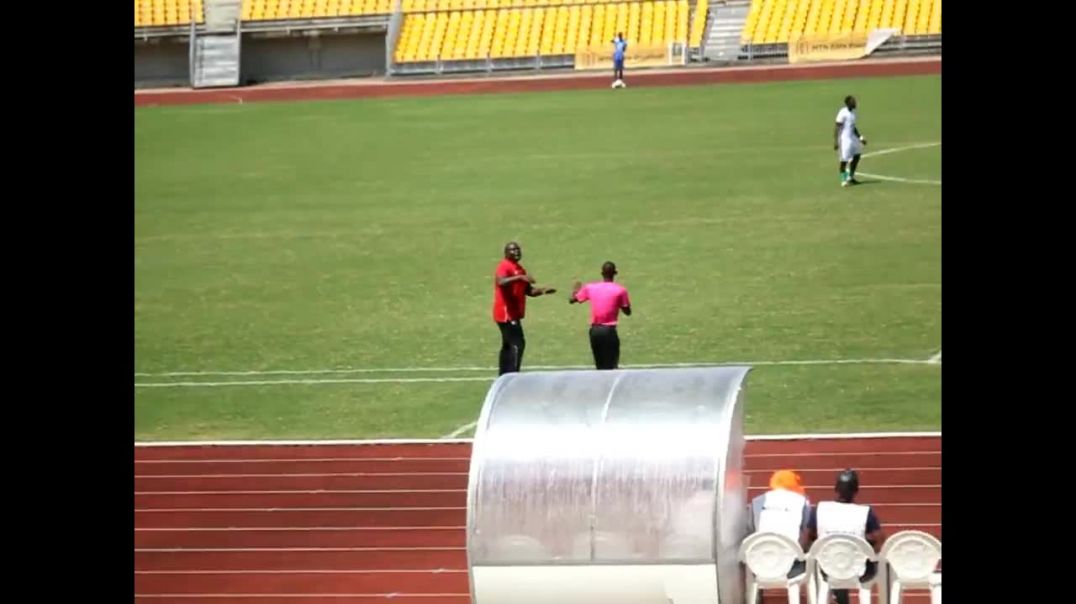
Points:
x=847, y=141
x=846, y=517
x=784, y=509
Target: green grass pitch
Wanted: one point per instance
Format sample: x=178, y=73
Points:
x=363, y=235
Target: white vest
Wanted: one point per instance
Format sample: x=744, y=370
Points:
x=780, y=511
x=842, y=519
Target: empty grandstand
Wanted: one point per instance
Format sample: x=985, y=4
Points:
x=771, y=24
x=179, y=42
x=163, y=13
x=556, y=32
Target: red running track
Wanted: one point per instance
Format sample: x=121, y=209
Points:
x=385, y=522
x=396, y=87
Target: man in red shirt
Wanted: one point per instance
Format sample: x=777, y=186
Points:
x=607, y=299
x=511, y=286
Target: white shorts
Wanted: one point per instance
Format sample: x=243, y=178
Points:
x=850, y=147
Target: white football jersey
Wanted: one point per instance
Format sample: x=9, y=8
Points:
x=842, y=519
x=847, y=119
x=781, y=511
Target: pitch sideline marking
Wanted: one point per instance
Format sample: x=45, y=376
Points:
x=403, y=380
x=899, y=178
x=439, y=441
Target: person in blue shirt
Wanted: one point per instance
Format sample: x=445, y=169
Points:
x=619, y=46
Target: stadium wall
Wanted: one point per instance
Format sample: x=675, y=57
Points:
x=311, y=55
x=164, y=61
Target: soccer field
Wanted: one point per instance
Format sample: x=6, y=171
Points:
x=323, y=270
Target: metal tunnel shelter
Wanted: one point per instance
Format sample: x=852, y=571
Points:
x=618, y=487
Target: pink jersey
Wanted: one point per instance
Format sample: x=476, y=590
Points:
x=606, y=300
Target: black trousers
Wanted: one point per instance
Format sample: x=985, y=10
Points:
x=512, y=345
x=605, y=344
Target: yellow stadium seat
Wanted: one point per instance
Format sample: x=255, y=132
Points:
x=762, y=23
x=537, y=24
x=782, y=27
x=646, y=24
x=893, y=13
x=862, y=15
x=635, y=14
x=777, y=20
x=922, y=21
x=155, y=13
x=907, y=24
x=476, y=29
x=597, y=25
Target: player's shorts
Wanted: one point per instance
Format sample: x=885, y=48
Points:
x=850, y=147
x=618, y=63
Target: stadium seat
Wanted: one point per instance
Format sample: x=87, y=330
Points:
x=768, y=557
x=698, y=24
x=167, y=13
x=843, y=559
x=267, y=10
x=912, y=557
x=527, y=28
x=778, y=21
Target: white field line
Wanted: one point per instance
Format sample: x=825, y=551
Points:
x=300, y=572
x=339, y=475
x=437, y=441
x=898, y=178
x=300, y=528
x=302, y=443
x=936, y=359
x=292, y=509
x=272, y=460
x=902, y=148
x=419, y=380
x=339, y=460
x=192, y=550
x=461, y=430
x=309, y=382
x=303, y=492
x=856, y=454
x=301, y=475
x=352, y=509
x=277, y=596
x=844, y=436
x=470, y=368
x=348, y=492
x=914, y=181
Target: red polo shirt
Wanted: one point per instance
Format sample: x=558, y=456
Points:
x=509, y=301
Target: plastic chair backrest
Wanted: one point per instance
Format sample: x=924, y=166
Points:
x=842, y=557
x=769, y=556
x=913, y=555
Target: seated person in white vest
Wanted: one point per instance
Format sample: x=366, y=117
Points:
x=846, y=517
x=784, y=509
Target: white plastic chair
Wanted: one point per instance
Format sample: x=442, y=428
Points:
x=843, y=559
x=768, y=558
x=912, y=556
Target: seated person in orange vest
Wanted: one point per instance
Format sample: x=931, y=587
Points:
x=845, y=517
x=784, y=509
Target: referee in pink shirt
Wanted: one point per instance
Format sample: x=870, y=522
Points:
x=607, y=299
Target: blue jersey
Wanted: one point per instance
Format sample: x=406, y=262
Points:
x=619, y=46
